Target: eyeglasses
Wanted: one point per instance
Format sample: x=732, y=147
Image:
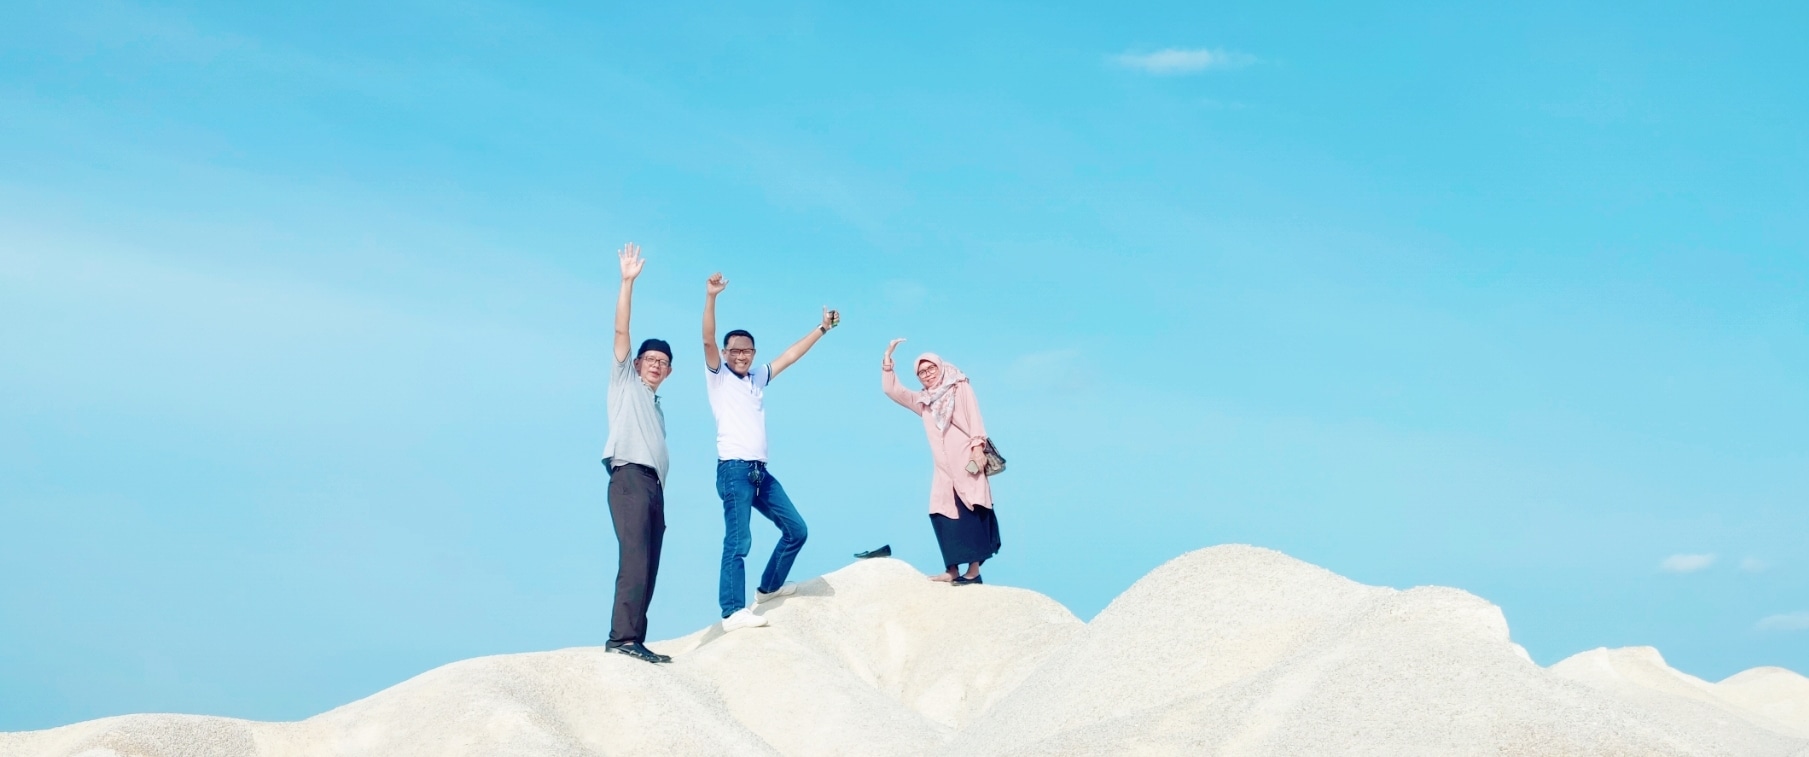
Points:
x=926, y=369
x=657, y=362
x=741, y=353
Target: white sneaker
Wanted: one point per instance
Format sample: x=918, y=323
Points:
x=785, y=590
x=742, y=618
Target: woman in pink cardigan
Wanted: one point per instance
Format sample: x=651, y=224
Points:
x=960, y=501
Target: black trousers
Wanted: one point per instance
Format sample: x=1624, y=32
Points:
x=972, y=537
x=637, y=506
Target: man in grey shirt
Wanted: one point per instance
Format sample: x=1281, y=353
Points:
x=636, y=458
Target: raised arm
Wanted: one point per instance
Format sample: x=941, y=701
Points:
x=712, y=355
x=630, y=256
x=798, y=348
x=888, y=381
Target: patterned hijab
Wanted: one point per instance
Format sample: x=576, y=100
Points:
x=940, y=399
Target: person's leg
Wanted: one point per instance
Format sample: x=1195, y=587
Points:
x=656, y=538
x=628, y=512
x=971, y=537
x=989, y=518
x=772, y=503
x=944, y=527
x=737, y=494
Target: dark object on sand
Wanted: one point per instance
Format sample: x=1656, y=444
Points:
x=885, y=550
x=964, y=580
x=635, y=650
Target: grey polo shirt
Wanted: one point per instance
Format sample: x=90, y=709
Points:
x=637, y=425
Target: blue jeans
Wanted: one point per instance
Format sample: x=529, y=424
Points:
x=745, y=485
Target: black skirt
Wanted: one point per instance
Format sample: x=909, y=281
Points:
x=972, y=537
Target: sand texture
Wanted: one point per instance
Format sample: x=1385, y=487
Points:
x=1774, y=698
x=1231, y=650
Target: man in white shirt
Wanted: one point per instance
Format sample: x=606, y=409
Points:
x=742, y=479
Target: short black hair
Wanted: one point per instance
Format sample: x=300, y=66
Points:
x=736, y=333
x=654, y=345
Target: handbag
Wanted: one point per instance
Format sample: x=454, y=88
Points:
x=995, y=462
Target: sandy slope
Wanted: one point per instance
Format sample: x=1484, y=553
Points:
x=1775, y=694
x=1773, y=698
x=1230, y=650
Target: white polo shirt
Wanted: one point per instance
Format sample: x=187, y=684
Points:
x=738, y=403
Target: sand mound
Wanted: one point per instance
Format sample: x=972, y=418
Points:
x=1773, y=698
x=874, y=659
x=569, y=702
x=1240, y=650
x=1229, y=650
x=1775, y=693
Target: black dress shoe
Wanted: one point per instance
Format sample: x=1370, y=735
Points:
x=636, y=650
x=964, y=580
x=885, y=550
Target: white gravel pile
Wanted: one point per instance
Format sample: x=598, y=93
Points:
x=1231, y=650
x=1774, y=693
x=1773, y=698
x=874, y=659
x=1240, y=650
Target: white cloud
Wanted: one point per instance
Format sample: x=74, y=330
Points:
x=1790, y=621
x=1686, y=563
x=1177, y=61
x=1753, y=565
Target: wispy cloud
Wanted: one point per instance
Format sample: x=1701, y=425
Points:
x=1686, y=563
x=1058, y=369
x=797, y=175
x=905, y=293
x=160, y=34
x=1753, y=565
x=1040, y=362
x=1172, y=61
x=1790, y=621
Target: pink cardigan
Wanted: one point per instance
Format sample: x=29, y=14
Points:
x=949, y=448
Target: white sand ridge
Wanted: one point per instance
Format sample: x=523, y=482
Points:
x=1773, y=698
x=1230, y=650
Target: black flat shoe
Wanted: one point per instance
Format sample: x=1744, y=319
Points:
x=964, y=580
x=637, y=651
x=884, y=551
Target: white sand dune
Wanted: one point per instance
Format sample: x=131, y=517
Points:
x=1232, y=650
x=1773, y=698
x=1773, y=693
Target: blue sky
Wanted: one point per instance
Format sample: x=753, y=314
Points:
x=305, y=313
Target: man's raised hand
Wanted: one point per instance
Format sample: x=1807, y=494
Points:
x=715, y=285
x=831, y=318
x=631, y=260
